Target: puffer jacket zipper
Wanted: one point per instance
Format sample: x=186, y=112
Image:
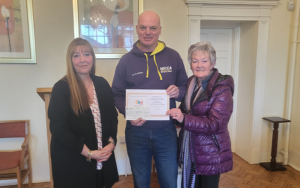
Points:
x=193, y=154
x=216, y=142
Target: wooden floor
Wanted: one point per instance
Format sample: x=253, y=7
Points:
x=243, y=175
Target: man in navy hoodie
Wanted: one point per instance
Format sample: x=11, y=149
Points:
x=150, y=65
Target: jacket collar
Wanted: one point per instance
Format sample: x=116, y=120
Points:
x=204, y=83
x=210, y=82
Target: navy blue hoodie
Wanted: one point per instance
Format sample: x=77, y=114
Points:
x=157, y=70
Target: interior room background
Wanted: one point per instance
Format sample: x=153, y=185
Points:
x=53, y=21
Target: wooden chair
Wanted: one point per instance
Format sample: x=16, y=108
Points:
x=12, y=163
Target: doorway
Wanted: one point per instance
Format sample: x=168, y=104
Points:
x=236, y=45
x=225, y=37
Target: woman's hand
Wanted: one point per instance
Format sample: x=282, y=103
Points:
x=101, y=155
x=176, y=113
x=109, y=147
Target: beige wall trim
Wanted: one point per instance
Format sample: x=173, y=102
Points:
x=290, y=82
x=233, y=2
x=294, y=159
x=235, y=74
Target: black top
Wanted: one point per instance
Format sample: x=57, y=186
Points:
x=276, y=119
x=71, y=132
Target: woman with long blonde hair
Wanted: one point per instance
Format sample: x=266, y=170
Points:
x=83, y=124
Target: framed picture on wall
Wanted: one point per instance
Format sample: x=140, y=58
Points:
x=109, y=25
x=17, y=41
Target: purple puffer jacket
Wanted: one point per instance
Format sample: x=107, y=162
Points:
x=207, y=122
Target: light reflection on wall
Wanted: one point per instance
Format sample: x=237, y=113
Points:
x=107, y=25
x=101, y=35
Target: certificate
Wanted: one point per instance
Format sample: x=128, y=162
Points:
x=147, y=104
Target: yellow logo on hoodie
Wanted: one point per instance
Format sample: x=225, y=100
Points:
x=166, y=69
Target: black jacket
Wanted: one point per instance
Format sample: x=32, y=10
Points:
x=70, y=132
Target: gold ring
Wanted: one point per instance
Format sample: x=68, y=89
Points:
x=175, y=115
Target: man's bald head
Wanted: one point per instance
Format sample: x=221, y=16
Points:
x=149, y=14
x=148, y=30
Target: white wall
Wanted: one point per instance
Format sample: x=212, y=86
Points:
x=294, y=150
x=246, y=84
x=276, y=75
x=54, y=30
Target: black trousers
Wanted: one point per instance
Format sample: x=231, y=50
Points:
x=207, y=181
x=100, y=178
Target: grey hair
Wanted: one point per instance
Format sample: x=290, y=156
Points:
x=203, y=46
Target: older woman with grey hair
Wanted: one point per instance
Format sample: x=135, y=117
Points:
x=204, y=143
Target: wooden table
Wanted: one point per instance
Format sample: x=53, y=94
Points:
x=273, y=166
x=45, y=94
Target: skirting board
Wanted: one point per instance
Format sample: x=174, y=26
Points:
x=294, y=161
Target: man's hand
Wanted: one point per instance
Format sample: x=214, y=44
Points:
x=138, y=122
x=173, y=91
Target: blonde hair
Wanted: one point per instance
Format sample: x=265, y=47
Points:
x=79, y=96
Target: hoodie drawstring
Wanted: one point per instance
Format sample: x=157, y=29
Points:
x=157, y=68
x=147, y=75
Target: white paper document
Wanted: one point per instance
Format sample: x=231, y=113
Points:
x=133, y=113
x=147, y=104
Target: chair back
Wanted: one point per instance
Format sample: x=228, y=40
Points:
x=12, y=163
x=13, y=129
